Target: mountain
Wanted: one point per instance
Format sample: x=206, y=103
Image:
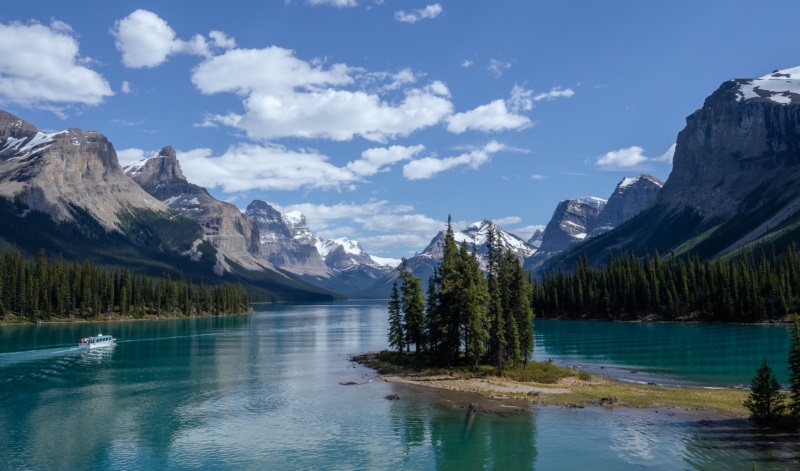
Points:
x=423, y=264
x=224, y=226
x=575, y=221
x=66, y=193
x=572, y=221
x=630, y=197
x=734, y=177
x=59, y=173
x=338, y=265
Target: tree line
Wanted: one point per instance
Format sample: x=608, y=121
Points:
x=41, y=289
x=465, y=317
x=744, y=288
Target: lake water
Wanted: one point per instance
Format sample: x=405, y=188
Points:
x=265, y=392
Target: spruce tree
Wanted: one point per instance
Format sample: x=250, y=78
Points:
x=396, y=331
x=474, y=303
x=765, y=401
x=413, y=307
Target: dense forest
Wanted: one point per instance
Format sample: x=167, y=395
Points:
x=41, y=289
x=744, y=288
x=467, y=317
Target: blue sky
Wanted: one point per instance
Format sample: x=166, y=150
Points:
x=377, y=119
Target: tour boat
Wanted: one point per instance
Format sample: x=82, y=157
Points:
x=96, y=342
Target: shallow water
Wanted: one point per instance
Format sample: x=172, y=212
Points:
x=264, y=392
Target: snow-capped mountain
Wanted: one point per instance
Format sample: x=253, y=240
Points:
x=575, y=221
x=338, y=265
x=475, y=236
x=734, y=177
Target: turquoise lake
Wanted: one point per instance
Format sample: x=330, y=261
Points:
x=265, y=391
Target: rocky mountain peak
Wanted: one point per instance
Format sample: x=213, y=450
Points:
x=163, y=168
x=55, y=172
x=631, y=196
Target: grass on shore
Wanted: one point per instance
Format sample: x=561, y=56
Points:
x=388, y=362
x=584, y=389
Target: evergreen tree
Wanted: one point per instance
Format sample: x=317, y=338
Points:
x=413, y=307
x=474, y=303
x=451, y=283
x=397, y=333
x=794, y=370
x=765, y=401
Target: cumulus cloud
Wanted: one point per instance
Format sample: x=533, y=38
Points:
x=492, y=117
x=246, y=167
x=126, y=87
x=630, y=157
x=321, y=217
x=467, y=63
x=428, y=167
x=284, y=96
x=147, y=40
x=57, y=74
x=378, y=159
x=428, y=13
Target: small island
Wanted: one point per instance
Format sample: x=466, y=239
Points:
x=474, y=334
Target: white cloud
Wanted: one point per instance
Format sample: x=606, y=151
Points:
x=129, y=156
x=146, y=40
x=334, y=3
x=667, y=156
x=467, y=63
x=40, y=66
x=246, y=167
x=126, y=87
x=321, y=217
x=538, y=177
x=429, y=166
x=526, y=232
x=631, y=156
x=555, y=92
x=622, y=158
x=428, y=13
x=284, y=96
x=507, y=220
x=498, y=67
x=492, y=117
x=379, y=158
x=400, y=223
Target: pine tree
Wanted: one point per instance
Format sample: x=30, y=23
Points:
x=765, y=401
x=397, y=333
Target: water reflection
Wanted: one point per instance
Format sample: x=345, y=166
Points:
x=265, y=392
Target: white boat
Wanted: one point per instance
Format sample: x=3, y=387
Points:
x=96, y=342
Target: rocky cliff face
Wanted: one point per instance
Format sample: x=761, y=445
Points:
x=338, y=265
x=277, y=242
x=630, y=197
x=224, y=226
x=57, y=172
x=572, y=221
x=575, y=221
x=734, y=177
x=746, y=136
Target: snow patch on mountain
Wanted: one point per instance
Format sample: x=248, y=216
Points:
x=780, y=86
